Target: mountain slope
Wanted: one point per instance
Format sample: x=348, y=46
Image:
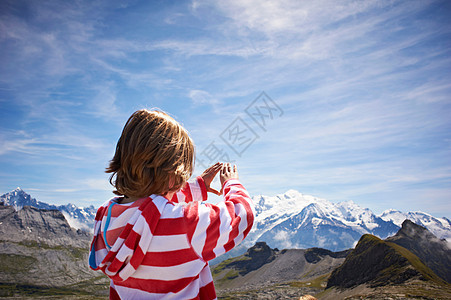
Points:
x=375, y=262
x=434, y=252
x=263, y=266
x=77, y=217
x=375, y=269
x=44, y=226
x=39, y=251
x=312, y=227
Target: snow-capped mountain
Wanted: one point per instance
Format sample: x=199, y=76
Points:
x=77, y=217
x=289, y=220
x=440, y=227
x=294, y=220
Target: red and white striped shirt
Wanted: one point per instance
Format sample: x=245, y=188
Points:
x=154, y=248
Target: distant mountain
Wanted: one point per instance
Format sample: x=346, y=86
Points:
x=440, y=227
x=295, y=220
x=78, y=217
x=41, y=254
x=434, y=252
x=40, y=226
x=290, y=220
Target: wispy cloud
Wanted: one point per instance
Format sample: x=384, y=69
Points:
x=362, y=85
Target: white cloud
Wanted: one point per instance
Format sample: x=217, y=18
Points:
x=362, y=94
x=283, y=238
x=200, y=97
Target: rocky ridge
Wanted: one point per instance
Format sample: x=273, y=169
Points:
x=39, y=251
x=375, y=262
x=375, y=269
x=262, y=267
x=435, y=253
x=77, y=217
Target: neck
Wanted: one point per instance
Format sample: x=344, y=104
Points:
x=124, y=200
x=169, y=195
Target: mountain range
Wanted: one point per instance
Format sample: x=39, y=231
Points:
x=295, y=220
x=289, y=220
x=42, y=255
x=412, y=264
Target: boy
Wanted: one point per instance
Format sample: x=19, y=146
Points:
x=155, y=239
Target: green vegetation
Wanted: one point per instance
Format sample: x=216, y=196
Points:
x=218, y=271
x=318, y=282
x=35, y=244
x=13, y=263
x=230, y=275
x=417, y=263
x=226, y=263
x=93, y=285
x=30, y=291
x=25, y=273
x=75, y=252
x=379, y=263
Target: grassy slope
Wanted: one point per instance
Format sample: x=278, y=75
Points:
x=20, y=268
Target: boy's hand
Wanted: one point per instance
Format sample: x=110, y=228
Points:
x=209, y=174
x=227, y=172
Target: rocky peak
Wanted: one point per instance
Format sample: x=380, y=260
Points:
x=376, y=263
x=18, y=198
x=255, y=257
x=78, y=217
x=260, y=251
x=435, y=253
x=408, y=228
x=46, y=227
x=315, y=255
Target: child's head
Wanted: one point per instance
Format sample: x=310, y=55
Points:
x=154, y=155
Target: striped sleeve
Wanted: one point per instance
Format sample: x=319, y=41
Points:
x=191, y=191
x=216, y=229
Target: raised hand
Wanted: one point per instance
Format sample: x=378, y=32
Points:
x=227, y=172
x=209, y=174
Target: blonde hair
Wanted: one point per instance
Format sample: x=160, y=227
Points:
x=154, y=155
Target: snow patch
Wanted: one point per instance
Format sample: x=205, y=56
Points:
x=74, y=223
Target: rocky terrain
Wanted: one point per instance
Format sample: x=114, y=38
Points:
x=272, y=273
x=435, y=253
x=41, y=254
x=391, y=268
x=375, y=262
x=77, y=217
x=375, y=269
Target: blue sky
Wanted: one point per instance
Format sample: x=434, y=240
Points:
x=358, y=95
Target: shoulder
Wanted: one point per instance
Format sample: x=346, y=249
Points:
x=160, y=206
x=108, y=202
